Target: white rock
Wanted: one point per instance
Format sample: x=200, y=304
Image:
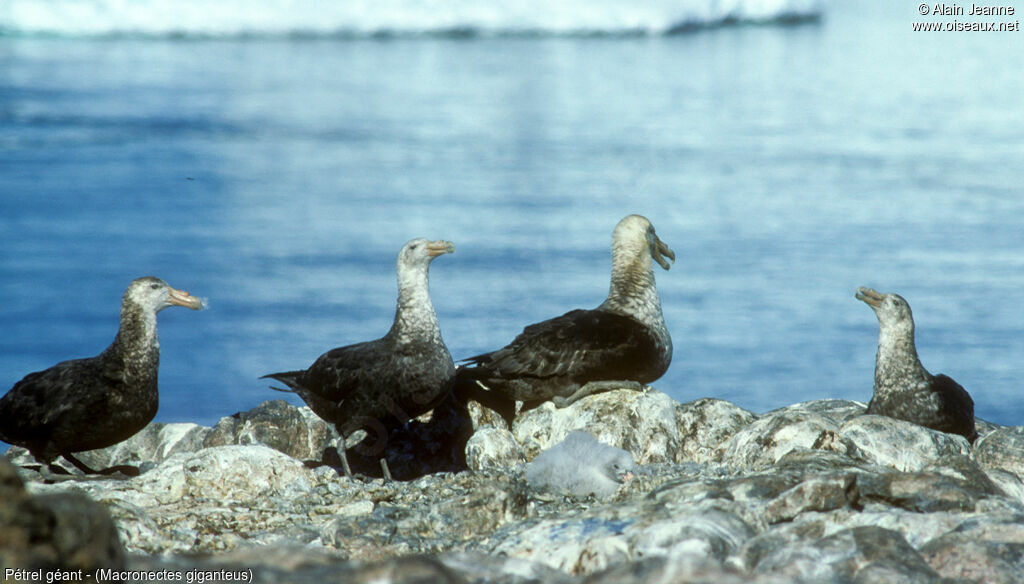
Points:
x=1008, y=482
x=245, y=473
x=491, y=447
x=708, y=532
x=899, y=444
x=1002, y=449
x=705, y=424
x=643, y=423
x=576, y=546
x=836, y=410
x=761, y=444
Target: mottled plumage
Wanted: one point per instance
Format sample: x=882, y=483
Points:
x=621, y=343
x=92, y=403
x=903, y=388
x=378, y=385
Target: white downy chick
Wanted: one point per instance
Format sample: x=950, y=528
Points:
x=580, y=466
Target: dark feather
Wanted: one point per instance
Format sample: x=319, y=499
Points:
x=85, y=404
x=382, y=384
x=372, y=383
x=587, y=351
x=942, y=405
x=75, y=406
x=903, y=387
x=568, y=351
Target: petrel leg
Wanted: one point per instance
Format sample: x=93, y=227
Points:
x=78, y=463
x=592, y=387
x=125, y=469
x=333, y=458
x=386, y=470
x=344, y=462
x=53, y=469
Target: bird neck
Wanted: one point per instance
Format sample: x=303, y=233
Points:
x=414, y=317
x=897, y=359
x=136, y=342
x=633, y=291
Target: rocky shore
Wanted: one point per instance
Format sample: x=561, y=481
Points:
x=816, y=492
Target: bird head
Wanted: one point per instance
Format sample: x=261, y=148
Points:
x=892, y=310
x=154, y=294
x=635, y=235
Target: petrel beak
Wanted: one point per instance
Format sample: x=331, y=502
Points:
x=626, y=476
x=662, y=249
x=869, y=296
x=182, y=298
x=440, y=247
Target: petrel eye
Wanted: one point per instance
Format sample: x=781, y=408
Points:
x=155, y=286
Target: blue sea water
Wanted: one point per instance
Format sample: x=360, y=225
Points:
x=788, y=153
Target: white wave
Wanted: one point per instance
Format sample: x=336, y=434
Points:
x=220, y=18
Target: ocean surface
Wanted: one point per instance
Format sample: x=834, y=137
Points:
x=273, y=156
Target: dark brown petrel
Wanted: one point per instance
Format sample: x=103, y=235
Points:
x=85, y=404
x=380, y=385
x=903, y=387
x=623, y=343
